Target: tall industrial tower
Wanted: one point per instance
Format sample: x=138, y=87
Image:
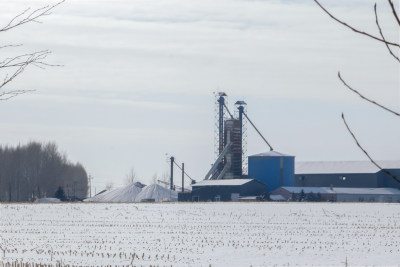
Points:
x=240, y=110
x=230, y=140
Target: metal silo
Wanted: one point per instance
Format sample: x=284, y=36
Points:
x=273, y=169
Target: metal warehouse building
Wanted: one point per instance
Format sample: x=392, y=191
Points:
x=339, y=194
x=223, y=190
x=350, y=174
x=273, y=169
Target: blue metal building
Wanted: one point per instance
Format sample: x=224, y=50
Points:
x=223, y=190
x=273, y=169
x=362, y=174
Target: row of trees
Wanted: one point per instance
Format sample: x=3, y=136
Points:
x=36, y=170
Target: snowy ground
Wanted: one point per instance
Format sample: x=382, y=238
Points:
x=217, y=234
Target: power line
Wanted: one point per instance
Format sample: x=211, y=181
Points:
x=177, y=165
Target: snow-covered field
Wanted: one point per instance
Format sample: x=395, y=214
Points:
x=202, y=234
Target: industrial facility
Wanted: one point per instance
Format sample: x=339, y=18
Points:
x=234, y=175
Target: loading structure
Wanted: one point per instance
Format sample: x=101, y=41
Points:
x=230, y=137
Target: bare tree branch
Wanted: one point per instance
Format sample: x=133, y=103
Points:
x=366, y=153
x=17, y=64
x=21, y=62
x=367, y=99
x=394, y=11
x=354, y=29
x=383, y=37
x=25, y=17
x=11, y=45
x=10, y=94
x=26, y=59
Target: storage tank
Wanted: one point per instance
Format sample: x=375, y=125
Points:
x=273, y=169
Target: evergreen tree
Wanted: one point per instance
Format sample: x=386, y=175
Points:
x=302, y=196
x=311, y=197
x=60, y=194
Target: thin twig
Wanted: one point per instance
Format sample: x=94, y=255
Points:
x=394, y=11
x=12, y=45
x=23, y=17
x=381, y=33
x=19, y=63
x=354, y=29
x=366, y=153
x=367, y=99
x=10, y=94
x=24, y=59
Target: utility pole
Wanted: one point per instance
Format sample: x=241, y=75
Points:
x=90, y=185
x=75, y=182
x=183, y=176
x=171, y=181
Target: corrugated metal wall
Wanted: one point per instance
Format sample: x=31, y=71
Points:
x=366, y=180
x=387, y=181
x=274, y=171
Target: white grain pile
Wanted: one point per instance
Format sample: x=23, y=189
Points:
x=132, y=193
x=158, y=193
x=120, y=195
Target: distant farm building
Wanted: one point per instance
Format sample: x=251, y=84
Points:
x=224, y=190
x=362, y=174
x=278, y=170
x=339, y=194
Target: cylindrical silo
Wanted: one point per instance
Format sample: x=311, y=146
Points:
x=273, y=169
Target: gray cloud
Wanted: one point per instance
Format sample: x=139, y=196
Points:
x=142, y=73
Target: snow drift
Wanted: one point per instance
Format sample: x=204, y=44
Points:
x=48, y=200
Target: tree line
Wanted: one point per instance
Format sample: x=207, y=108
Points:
x=37, y=170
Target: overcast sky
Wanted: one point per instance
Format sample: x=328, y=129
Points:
x=139, y=76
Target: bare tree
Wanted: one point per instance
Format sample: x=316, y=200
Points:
x=165, y=178
x=390, y=46
x=35, y=170
x=109, y=186
x=130, y=177
x=154, y=179
x=12, y=67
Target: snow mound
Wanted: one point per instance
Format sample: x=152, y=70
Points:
x=158, y=193
x=48, y=200
x=123, y=194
